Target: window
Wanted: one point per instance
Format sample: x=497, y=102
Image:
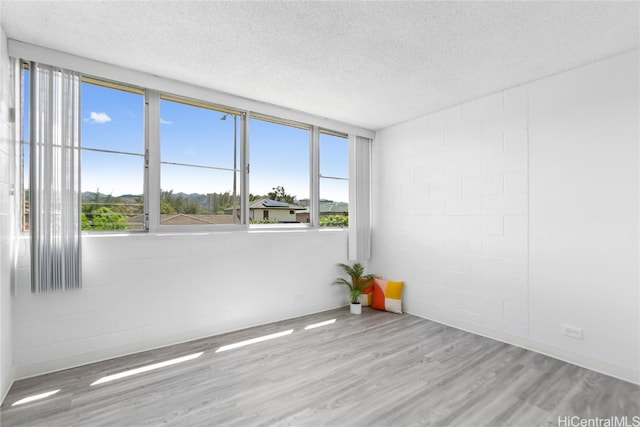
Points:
x=279, y=177
x=199, y=152
x=112, y=157
x=197, y=165
x=112, y=170
x=334, y=180
x=25, y=137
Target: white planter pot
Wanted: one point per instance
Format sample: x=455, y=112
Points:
x=356, y=308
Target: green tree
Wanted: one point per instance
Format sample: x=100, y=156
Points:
x=104, y=218
x=176, y=204
x=222, y=201
x=281, y=195
x=167, y=208
x=190, y=207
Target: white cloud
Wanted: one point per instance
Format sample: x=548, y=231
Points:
x=99, y=118
x=164, y=122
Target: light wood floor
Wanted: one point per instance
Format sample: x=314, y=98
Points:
x=376, y=369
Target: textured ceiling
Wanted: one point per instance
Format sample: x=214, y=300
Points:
x=371, y=64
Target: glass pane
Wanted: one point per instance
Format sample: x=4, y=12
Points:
x=112, y=119
x=198, y=136
x=25, y=181
x=26, y=116
x=197, y=196
x=199, y=150
x=112, y=191
x=26, y=109
x=334, y=156
x=279, y=172
x=334, y=193
x=112, y=180
x=334, y=202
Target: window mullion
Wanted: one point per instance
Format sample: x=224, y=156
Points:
x=152, y=160
x=314, y=194
x=244, y=169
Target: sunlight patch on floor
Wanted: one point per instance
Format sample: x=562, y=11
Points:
x=319, y=324
x=254, y=340
x=35, y=397
x=146, y=368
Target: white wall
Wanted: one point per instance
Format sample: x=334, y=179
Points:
x=514, y=214
x=144, y=291
x=450, y=212
x=274, y=215
x=6, y=200
x=584, y=187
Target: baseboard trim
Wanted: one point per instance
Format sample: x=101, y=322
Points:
x=5, y=391
x=603, y=367
x=73, y=361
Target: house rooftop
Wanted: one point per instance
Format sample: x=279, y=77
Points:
x=185, y=219
x=274, y=205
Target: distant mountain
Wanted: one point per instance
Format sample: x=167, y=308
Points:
x=200, y=198
x=89, y=196
x=192, y=196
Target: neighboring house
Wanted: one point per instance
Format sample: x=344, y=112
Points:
x=267, y=209
x=327, y=207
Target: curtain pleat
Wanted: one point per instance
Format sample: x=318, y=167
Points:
x=54, y=198
x=360, y=200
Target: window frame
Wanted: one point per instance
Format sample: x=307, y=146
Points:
x=154, y=101
x=97, y=81
x=149, y=85
x=322, y=131
x=21, y=66
x=312, y=171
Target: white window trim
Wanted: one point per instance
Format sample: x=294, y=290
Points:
x=90, y=67
x=314, y=202
x=152, y=160
x=155, y=87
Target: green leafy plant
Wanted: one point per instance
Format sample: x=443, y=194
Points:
x=357, y=281
x=104, y=218
x=334, y=221
x=262, y=221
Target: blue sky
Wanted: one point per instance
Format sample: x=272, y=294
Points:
x=279, y=155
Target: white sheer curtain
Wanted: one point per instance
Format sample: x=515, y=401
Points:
x=54, y=195
x=359, y=198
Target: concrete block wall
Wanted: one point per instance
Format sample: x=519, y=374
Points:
x=145, y=291
x=451, y=213
x=6, y=213
x=516, y=214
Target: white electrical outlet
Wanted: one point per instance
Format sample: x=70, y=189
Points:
x=572, y=331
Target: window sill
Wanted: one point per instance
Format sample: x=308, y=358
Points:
x=200, y=231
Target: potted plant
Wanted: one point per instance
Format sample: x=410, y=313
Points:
x=356, y=283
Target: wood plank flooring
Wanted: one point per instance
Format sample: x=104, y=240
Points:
x=375, y=369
